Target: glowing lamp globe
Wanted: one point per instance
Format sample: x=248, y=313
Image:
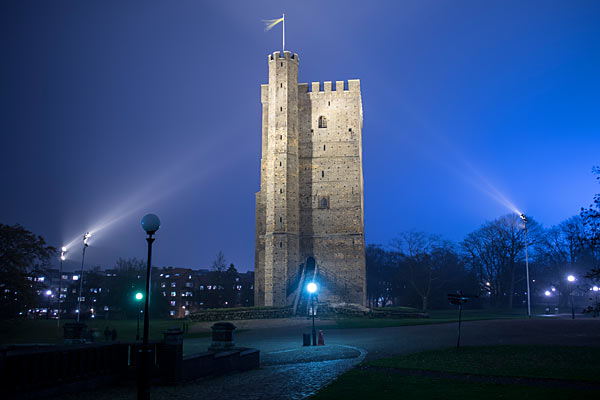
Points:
x=311, y=287
x=595, y=288
x=138, y=296
x=571, y=278
x=150, y=223
x=48, y=292
x=547, y=293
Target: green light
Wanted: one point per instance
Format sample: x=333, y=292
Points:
x=139, y=296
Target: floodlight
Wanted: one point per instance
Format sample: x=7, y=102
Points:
x=311, y=287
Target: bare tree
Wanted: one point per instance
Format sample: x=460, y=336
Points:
x=495, y=252
x=423, y=257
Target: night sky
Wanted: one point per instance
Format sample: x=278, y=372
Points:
x=111, y=110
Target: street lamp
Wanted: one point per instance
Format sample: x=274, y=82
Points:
x=48, y=294
x=312, y=289
x=138, y=297
x=150, y=223
x=595, y=290
x=86, y=237
x=524, y=218
x=63, y=251
x=571, y=279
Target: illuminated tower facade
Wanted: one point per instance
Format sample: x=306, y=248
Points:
x=309, y=210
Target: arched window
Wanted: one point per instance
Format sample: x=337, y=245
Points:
x=324, y=202
x=322, y=122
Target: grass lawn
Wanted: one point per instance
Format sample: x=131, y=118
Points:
x=435, y=317
x=545, y=362
x=46, y=331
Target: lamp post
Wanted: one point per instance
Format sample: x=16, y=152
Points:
x=85, y=245
x=138, y=297
x=571, y=279
x=595, y=290
x=524, y=218
x=312, y=289
x=63, y=251
x=150, y=223
x=48, y=295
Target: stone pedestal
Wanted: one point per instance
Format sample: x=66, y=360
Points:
x=222, y=336
x=171, y=359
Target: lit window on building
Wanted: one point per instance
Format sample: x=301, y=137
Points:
x=173, y=294
x=172, y=313
x=173, y=284
x=64, y=277
x=75, y=277
x=163, y=285
x=173, y=303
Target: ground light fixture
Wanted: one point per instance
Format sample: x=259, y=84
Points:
x=571, y=279
x=524, y=218
x=150, y=224
x=48, y=295
x=138, y=296
x=312, y=290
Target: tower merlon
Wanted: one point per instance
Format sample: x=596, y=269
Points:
x=351, y=85
x=287, y=55
x=354, y=85
x=303, y=88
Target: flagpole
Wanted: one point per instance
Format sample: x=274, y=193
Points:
x=284, y=32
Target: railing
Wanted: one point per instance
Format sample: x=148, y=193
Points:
x=27, y=369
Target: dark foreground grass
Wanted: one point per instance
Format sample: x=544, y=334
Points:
x=555, y=362
x=46, y=331
x=435, y=317
x=383, y=386
x=382, y=379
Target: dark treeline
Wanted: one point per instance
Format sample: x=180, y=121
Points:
x=419, y=269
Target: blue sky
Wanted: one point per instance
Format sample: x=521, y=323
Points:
x=110, y=110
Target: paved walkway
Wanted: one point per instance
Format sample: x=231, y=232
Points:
x=290, y=371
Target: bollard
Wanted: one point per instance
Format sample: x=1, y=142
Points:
x=222, y=336
x=321, y=339
x=306, y=339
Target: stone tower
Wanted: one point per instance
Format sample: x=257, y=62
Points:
x=309, y=210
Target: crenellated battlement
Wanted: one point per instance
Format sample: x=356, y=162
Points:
x=351, y=85
x=287, y=55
